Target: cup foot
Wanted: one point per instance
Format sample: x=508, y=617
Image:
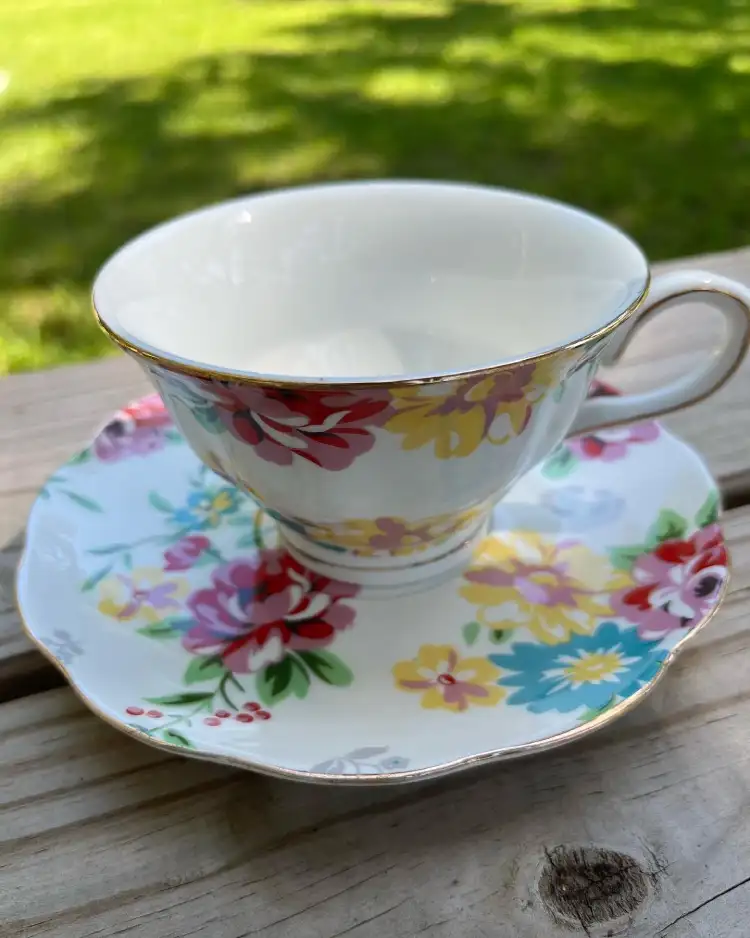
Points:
x=386, y=577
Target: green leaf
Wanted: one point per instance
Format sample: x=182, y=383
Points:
x=203, y=669
x=247, y=540
x=593, y=712
x=160, y=503
x=669, y=526
x=79, y=458
x=177, y=739
x=623, y=558
x=708, y=513
x=277, y=681
x=182, y=700
x=163, y=629
x=470, y=632
x=207, y=416
x=328, y=667
x=560, y=464
x=498, y=636
x=88, y=503
x=95, y=578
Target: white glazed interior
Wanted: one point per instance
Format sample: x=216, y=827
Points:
x=369, y=280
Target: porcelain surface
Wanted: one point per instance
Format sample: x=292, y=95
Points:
x=372, y=357
x=162, y=593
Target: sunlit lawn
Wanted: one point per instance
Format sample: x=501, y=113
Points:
x=119, y=113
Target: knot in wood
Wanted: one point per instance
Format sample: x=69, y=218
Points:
x=588, y=886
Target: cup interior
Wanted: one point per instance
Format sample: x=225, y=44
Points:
x=368, y=282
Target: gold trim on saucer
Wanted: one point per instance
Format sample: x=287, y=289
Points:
x=391, y=778
x=461, y=764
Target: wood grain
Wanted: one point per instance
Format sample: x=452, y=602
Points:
x=46, y=416
x=101, y=836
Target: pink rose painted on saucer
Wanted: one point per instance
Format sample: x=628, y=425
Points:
x=257, y=610
x=186, y=552
x=676, y=585
x=612, y=444
x=136, y=430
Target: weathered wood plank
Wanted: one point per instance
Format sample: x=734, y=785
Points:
x=102, y=836
x=46, y=416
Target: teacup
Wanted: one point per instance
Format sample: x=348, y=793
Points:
x=378, y=362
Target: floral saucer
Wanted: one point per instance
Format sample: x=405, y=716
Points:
x=162, y=594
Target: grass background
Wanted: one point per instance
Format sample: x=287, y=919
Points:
x=116, y=114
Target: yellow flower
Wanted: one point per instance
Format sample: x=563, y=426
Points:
x=395, y=536
x=458, y=416
x=521, y=579
x=446, y=681
x=147, y=593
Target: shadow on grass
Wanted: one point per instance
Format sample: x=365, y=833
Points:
x=639, y=113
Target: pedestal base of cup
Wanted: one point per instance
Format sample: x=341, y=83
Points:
x=393, y=574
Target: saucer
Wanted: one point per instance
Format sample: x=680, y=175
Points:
x=162, y=594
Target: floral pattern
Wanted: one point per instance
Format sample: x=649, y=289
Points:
x=457, y=417
x=445, y=680
x=63, y=646
x=186, y=552
x=367, y=760
x=611, y=444
x=173, y=727
x=234, y=635
x=139, y=429
x=206, y=508
x=588, y=671
x=676, y=584
x=329, y=429
x=145, y=594
x=553, y=589
x=254, y=613
x=395, y=536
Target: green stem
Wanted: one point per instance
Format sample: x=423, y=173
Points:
x=177, y=720
x=222, y=689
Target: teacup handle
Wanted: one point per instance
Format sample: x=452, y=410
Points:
x=732, y=299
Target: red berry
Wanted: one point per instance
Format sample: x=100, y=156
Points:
x=263, y=715
x=244, y=718
x=252, y=705
x=212, y=721
x=134, y=711
x=223, y=714
x=154, y=714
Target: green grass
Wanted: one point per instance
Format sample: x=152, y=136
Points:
x=120, y=113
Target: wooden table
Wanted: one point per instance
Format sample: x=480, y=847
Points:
x=643, y=829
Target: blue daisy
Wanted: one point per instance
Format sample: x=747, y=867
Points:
x=588, y=671
x=207, y=508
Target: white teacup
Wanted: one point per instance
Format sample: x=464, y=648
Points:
x=379, y=362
